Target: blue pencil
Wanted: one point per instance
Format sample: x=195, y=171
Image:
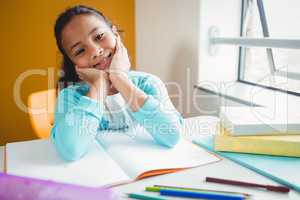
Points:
x=199, y=195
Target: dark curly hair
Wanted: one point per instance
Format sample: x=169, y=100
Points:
x=69, y=75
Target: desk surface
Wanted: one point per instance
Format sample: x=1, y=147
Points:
x=195, y=178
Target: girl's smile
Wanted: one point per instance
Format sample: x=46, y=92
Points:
x=104, y=62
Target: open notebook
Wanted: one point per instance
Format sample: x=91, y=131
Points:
x=114, y=158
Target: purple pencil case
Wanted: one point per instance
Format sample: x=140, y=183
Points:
x=21, y=188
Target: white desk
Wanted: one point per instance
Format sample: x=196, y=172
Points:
x=195, y=178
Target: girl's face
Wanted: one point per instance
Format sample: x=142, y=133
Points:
x=89, y=42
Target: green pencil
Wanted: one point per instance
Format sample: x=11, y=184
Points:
x=144, y=197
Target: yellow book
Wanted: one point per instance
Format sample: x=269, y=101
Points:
x=283, y=145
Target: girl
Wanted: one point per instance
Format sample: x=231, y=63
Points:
x=105, y=94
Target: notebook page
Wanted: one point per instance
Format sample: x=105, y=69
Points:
x=139, y=153
x=39, y=159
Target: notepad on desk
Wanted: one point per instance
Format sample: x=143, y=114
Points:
x=116, y=158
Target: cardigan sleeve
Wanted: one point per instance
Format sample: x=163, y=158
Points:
x=158, y=115
x=76, y=122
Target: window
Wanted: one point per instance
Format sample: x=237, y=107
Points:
x=275, y=68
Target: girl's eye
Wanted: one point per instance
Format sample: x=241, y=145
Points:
x=79, y=52
x=99, y=36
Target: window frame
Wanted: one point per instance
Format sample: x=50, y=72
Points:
x=241, y=54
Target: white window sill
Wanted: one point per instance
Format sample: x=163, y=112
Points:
x=252, y=95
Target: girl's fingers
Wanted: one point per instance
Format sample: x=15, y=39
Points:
x=85, y=70
x=118, y=43
x=81, y=74
x=76, y=68
x=118, y=39
x=120, y=48
x=108, y=70
x=121, y=45
x=124, y=48
x=78, y=72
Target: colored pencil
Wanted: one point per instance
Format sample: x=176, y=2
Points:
x=247, y=184
x=199, y=195
x=156, y=188
x=143, y=197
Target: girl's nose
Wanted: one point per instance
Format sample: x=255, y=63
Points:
x=96, y=51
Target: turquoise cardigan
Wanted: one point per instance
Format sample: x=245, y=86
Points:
x=78, y=118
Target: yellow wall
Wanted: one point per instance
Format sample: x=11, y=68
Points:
x=27, y=42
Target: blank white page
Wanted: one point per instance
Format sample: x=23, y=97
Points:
x=139, y=153
x=39, y=159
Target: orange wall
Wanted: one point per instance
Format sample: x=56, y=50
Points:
x=27, y=43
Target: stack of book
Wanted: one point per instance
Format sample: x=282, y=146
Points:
x=248, y=130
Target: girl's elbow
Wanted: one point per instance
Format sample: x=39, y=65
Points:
x=171, y=138
x=71, y=152
x=68, y=147
x=174, y=133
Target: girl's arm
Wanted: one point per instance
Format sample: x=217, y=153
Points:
x=76, y=122
x=134, y=96
x=148, y=99
x=151, y=107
